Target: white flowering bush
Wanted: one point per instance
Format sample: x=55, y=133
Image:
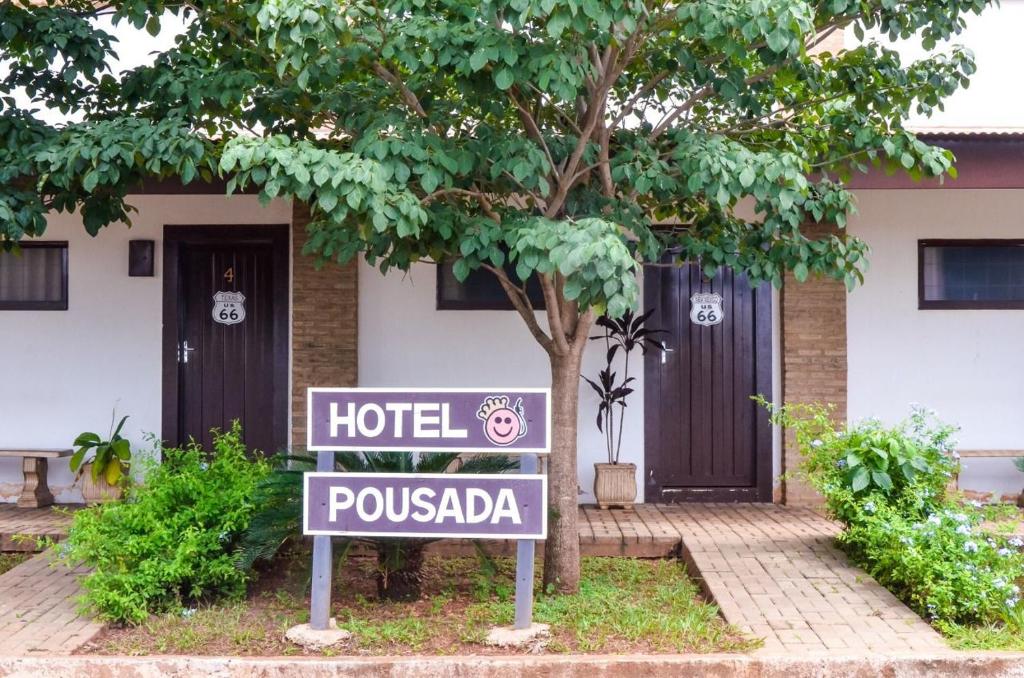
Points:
x=938, y=560
x=887, y=485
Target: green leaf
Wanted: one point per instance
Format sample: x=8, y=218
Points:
x=800, y=272
x=860, y=479
x=747, y=177
x=504, y=78
x=429, y=181
x=113, y=472
x=122, y=448
x=460, y=269
x=88, y=439
x=882, y=479
x=76, y=460
x=478, y=59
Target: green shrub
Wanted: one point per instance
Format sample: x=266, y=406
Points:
x=172, y=540
x=887, y=485
x=943, y=565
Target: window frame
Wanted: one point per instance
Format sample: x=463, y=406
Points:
x=502, y=304
x=58, y=305
x=960, y=304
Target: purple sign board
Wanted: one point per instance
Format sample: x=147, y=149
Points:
x=468, y=506
x=516, y=421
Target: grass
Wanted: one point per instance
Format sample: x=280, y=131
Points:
x=992, y=637
x=9, y=560
x=623, y=606
x=1006, y=636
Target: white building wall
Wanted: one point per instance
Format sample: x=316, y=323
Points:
x=965, y=364
x=405, y=341
x=66, y=371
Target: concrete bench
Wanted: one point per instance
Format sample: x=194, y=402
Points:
x=35, y=492
x=986, y=454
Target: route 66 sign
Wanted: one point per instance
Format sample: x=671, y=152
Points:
x=228, y=308
x=706, y=309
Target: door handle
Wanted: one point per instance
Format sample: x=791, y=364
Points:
x=183, y=352
x=665, y=350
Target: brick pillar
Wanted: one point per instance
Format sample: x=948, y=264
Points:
x=813, y=361
x=325, y=332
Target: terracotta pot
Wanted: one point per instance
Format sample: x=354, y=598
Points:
x=100, y=491
x=615, y=485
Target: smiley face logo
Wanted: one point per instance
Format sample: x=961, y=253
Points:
x=503, y=425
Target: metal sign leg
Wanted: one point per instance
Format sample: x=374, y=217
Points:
x=525, y=562
x=320, y=596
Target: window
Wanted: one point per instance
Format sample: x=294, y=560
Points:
x=481, y=291
x=966, y=274
x=35, y=278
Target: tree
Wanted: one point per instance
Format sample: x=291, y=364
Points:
x=552, y=135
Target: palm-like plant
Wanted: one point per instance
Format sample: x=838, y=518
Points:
x=399, y=560
x=620, y=334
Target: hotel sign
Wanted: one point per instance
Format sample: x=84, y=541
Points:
x=426, y=505
x=429, y=420
x=437, y=505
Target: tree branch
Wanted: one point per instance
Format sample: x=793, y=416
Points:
x=553, y=309
x=521, y=302
x=533, y=130
x=408, y=96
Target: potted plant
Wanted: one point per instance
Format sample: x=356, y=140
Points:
x=615, y=482
x=105, y=473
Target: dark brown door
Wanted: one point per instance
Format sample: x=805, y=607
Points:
x=705, y=439
x=225, y=334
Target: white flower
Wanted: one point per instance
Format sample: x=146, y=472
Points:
x=869, y=507
x=1017, y=541
x=963, y=529
x=1004, y=552
x=970, y=547
x=188, y=612
x=999, y=583
x=906, y=540
x=816, y=443
x=1012, y=602
x=934, y=519
x=960, y=517
x=975, y=503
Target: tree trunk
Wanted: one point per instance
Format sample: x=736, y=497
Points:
x=562, y=549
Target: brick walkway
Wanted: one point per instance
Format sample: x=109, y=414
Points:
x=774, y=572
x=38, y=614
x=20, y=528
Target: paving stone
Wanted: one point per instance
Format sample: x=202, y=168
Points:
x=39, y=615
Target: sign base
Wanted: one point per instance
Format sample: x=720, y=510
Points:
x=317, y=639
x=507, y=636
